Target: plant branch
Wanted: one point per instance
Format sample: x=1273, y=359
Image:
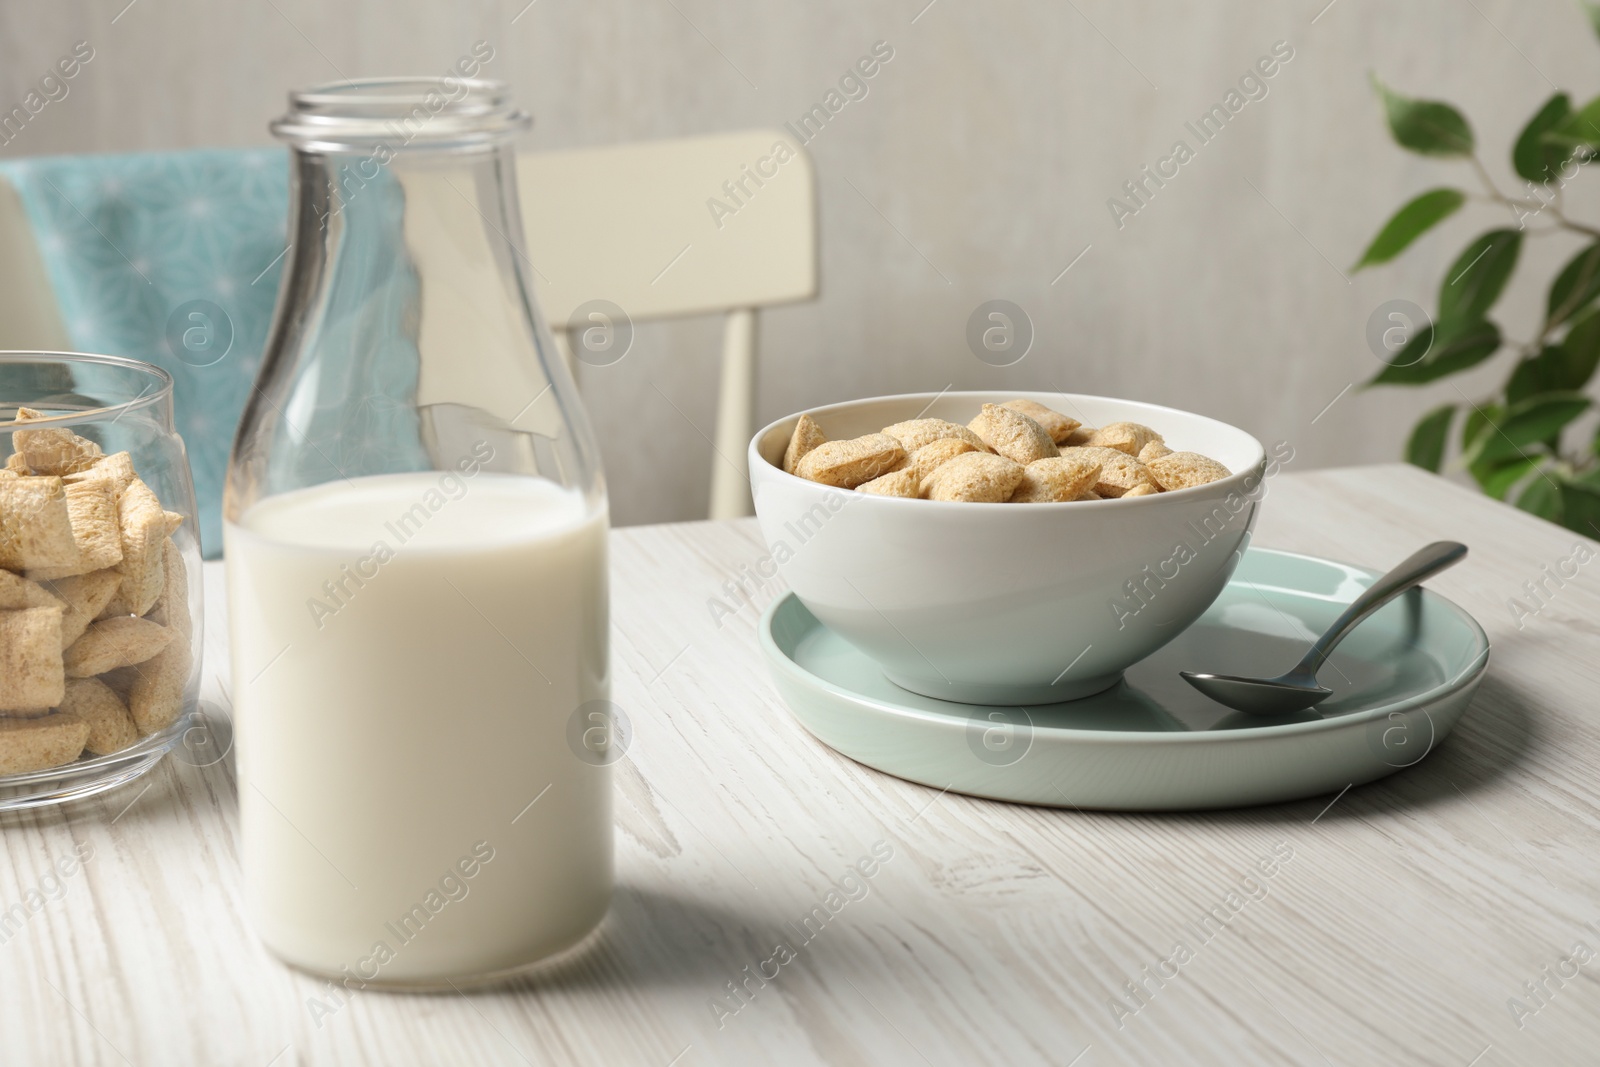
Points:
x=1576, y=227
x=1537, y=205
x=1483, y=176
x=1511, y=203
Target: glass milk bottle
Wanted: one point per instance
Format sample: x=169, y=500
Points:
x=416, y=562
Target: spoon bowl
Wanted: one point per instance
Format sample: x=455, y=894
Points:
x=1258, y=696
x=1298, y=689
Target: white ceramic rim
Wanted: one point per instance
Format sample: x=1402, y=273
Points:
x=1234, y=481
x=1468, y=677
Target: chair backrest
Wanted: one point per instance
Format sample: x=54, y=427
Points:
x=656, y=229
x=27, y=306
x=97, y=253
x=675, y=227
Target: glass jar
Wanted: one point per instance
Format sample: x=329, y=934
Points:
x=99, y=576
x=415, y=542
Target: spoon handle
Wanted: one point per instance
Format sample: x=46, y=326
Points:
x=1414, y=570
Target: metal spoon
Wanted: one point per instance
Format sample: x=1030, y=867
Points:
x=1299, y=689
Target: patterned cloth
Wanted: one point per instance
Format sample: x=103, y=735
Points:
x=172, y=258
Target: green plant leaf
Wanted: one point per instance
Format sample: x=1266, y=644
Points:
x=1535, y=375
x=1480, y=418
x=1409, y=223
x=1556, y=368
x=1533, y=157
x=1428, y=127
x=1537, y=420
x=1578, y=130
x=1497, y=479
x=1542, y=497
x=1580, y=509
x=1475, y=280
x=1528, y=423
x=1465, y=347
x=1593, y=11
x=1425, y=448
x=1582, y=345
x=1574, y=288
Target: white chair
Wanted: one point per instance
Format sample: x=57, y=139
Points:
x=29, y=316
x=640, y=225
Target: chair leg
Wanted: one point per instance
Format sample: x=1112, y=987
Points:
x=730, y=481
x=564, y=346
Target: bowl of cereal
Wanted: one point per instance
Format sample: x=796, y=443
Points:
x=1005, y=548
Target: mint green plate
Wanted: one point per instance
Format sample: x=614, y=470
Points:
x=1401, y=680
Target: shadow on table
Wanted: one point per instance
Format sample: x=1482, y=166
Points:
x=651, y=939
x=1493, y=737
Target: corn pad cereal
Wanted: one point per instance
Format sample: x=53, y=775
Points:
x=918, y=433
x=1019, y=452
x=1119, y=471
x=1127, y=437
x=976, y=477
x=1012, y=434
x=1056, y=479
x=1057, y=425
x=95, y=624
x=1181, y=470
x=807, y=435
x=38, y=742
x=847, y=464
x=903, y=482
x=929, y=458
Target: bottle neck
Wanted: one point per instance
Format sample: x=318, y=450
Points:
x=406, y=337
x=420, y=262
x=337, y=192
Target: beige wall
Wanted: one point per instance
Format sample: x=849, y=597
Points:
x=978, y=167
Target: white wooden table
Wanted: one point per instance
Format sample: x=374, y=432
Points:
x=1408, y=913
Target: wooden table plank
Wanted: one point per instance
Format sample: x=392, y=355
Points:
x=1399, y=920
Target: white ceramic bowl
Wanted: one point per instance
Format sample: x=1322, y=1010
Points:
x=1007, y=603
